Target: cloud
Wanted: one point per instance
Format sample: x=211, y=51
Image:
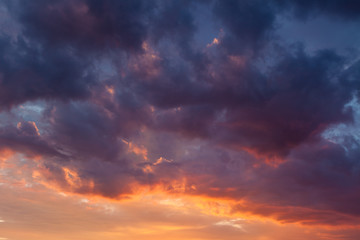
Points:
x=231, y=223
x=130, y=101
x=248, y=24
x=86, y=24
x=348, y=9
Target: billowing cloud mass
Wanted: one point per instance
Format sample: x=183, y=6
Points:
x=206, y=99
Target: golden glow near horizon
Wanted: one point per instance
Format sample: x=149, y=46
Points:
x=35, y=211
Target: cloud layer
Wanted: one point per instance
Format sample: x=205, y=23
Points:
x=199, y=98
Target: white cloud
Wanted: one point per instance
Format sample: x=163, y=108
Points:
x=232, y=223
x=341, y=133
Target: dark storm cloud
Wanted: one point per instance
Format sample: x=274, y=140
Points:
x=298, y=98
x=97, y=26
x=322, y=180
x=174, y=20
x=345, y=9
x=89, y=24
x=53, y=53
x=304, y=96
x=86, y=130
x=30, y=72
x=328, y=168
x=49, y=58
x=245, y=102
x=25, y=138
x=94, y=131
x=247, y=24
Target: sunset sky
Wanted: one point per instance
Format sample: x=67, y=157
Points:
x=179, y=119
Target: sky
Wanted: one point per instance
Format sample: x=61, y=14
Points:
x=178, y=119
